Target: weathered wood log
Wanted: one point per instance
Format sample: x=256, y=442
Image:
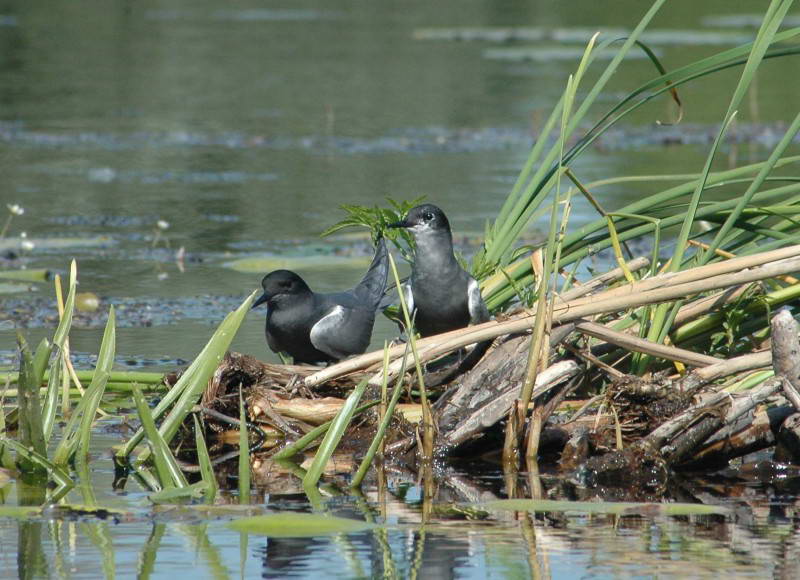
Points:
x=576, y=451
x=685, y=443
x=788, y=448
x=786, y=354
x=485, y=394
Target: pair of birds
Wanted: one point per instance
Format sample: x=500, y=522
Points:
x=317, y=328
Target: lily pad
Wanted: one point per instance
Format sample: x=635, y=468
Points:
x=19, y=511
x=9, y=288
x=604, y=507
x=264, y=264
x=34, y=275
x=57, y=243
x=298, y=525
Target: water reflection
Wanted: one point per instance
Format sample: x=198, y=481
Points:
x=757, y=539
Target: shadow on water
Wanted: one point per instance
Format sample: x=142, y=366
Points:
x=466, y=534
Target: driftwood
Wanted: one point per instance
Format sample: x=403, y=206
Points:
x=650, y=291
x=753, y=431
x=485, y=395
x=653, y=424
x=786, y=354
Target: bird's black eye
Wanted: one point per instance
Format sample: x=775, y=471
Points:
x=285, y=284
x=428, y=216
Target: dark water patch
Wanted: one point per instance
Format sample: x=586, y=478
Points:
x=111, y=175
x=414, y=140
x=579, y=35
x=273, y=15
x=553, y=53
x=222, y=218
x=105, y=221
x=9, y=359
x=40, y=312
x=746, y=20
x=245, y=15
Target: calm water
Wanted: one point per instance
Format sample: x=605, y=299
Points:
x=244, y=126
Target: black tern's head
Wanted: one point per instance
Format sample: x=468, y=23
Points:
x=279, y=285
x=424, y=218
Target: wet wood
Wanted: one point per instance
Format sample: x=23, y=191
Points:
x=788, y=439
x=485, y=395
x=786, y=354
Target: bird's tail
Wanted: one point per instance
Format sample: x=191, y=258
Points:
x=371, y=288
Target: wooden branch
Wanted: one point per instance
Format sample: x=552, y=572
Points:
x=704, y=272
x=687, y=441
x=751, y=432
x=705, y=375
x=601, y=280
x=436, y=345
x=634, y=343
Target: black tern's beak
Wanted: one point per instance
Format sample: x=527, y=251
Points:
x=261, y=300
x=401, y=224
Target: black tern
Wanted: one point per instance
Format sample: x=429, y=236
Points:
x=318, y=328
x=444, y=296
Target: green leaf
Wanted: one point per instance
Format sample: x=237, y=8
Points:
x=298, y=525
x=187, y=391
x=244, y=455
x=604, y=507
x=167, y=468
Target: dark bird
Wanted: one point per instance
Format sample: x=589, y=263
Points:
x=317, y=328
x=444, y=296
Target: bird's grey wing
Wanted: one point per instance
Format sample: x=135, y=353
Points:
x=343, y=331
x=372, y=286
x=477, y=307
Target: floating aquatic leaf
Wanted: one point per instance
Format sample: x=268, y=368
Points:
x=21, y=511
x=265, y=264
x=298, y=525
x=604, y=507
x=58, y=243
x=34, y=275
x=7, y=288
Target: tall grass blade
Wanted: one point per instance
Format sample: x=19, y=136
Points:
x=514, y=221
x=59, y=475
x=754, y=186
x=298, y=446
x=204, y=461
x=30, y=413
x=665, y=313
x=428, y=426
x=244, y=455
x=333, y=436
x=169, y=474
x=187, y=391
x=366, y=462
x=77, y=433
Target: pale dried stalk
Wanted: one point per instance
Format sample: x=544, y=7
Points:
x=700, y=273
x=449, y=341
x=634, y=343
x=605, y=302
